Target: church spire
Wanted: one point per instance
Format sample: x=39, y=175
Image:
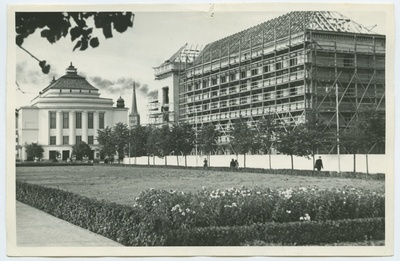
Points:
x=134, y=110
x=134, y=117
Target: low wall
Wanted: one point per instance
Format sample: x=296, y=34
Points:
x=377, y=163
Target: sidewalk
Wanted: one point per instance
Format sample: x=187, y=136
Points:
x=39, y=229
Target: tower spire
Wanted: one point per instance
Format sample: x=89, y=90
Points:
x=134, y=117
x=134, y=110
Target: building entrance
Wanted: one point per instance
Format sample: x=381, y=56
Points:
x=65, y=154
x=52, y=154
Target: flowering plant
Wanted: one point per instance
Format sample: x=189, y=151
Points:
x=244, y=206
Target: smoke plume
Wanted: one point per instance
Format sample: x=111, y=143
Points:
x=119, y=86
x=153, y=94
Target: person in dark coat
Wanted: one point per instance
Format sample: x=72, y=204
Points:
x=232, y=165
x=318, y=164
x=205, y=163
x=236, y=164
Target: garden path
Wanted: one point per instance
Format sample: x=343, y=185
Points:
x=36, y=228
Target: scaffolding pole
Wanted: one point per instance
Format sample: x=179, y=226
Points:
x=337, y=126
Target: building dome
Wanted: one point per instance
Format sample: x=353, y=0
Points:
x=120, y=103
x=70, y=81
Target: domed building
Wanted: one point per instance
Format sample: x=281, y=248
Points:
x=64, y=113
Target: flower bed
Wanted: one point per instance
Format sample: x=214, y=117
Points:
x=238, y=207
x=165, y=217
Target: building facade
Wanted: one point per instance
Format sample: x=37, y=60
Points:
x=164, y=106
x=66, y=112
x=285, y=67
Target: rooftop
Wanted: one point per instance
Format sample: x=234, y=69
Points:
x=280, y=27
x=71, y=80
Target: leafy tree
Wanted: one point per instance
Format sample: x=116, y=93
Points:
x=367, y=133
x=55, y=25
x=165, y=143
x=80, y=150
x=183, y=138
x=242, y=138
x=120, y=136
x=373, y=123
x=152, y=147
x=292, y=141
x=207, y=138
x=313, y=133
x=34, y=150
x=352, y=140
x=106, y=141
x=265, y=135
x=137, y=141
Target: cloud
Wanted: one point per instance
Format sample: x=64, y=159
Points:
x=119, y=86
x=153, y=94
x=30, y=79
x=32, y=76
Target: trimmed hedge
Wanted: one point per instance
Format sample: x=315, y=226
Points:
x=293, y=172
x=150, y=225
x=111, y=220
x=49, y=163
x=293, y=233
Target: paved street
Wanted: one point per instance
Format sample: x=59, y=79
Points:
x=36, y=228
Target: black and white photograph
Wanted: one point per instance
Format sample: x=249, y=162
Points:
x=200, y=129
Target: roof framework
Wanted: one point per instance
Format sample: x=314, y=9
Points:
x=280, y=27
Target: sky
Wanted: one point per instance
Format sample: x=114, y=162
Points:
x=131, y=56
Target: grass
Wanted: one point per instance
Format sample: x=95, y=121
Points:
x=123, y=184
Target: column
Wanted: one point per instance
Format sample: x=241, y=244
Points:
x=95, y=126
x=59, y=127
x=72, y=128
x=85, y=126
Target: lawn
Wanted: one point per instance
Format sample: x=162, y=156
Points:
x=123, y=184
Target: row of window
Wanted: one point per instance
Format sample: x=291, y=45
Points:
x=232, y=76
x=53, y=140
x=280, y=108
x=224, y=61
x=78, y=120
x=295, y=90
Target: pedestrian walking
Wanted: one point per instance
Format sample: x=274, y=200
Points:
x=236, y=164
x=318, y=164
x=232, y=164
x=205, y=163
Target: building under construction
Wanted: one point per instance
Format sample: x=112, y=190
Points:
x=163, y=104
x=285, y=67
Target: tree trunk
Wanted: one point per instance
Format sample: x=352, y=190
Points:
x=177, y=160
x=135, y=160
x=269, y=158
x=165, y=157
x=313, y=164
x=148, y=159
x=244, y=160
x=366, y=161
x=185, y=161
x=291, y=159
x=154, y=160
x=354, y=163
